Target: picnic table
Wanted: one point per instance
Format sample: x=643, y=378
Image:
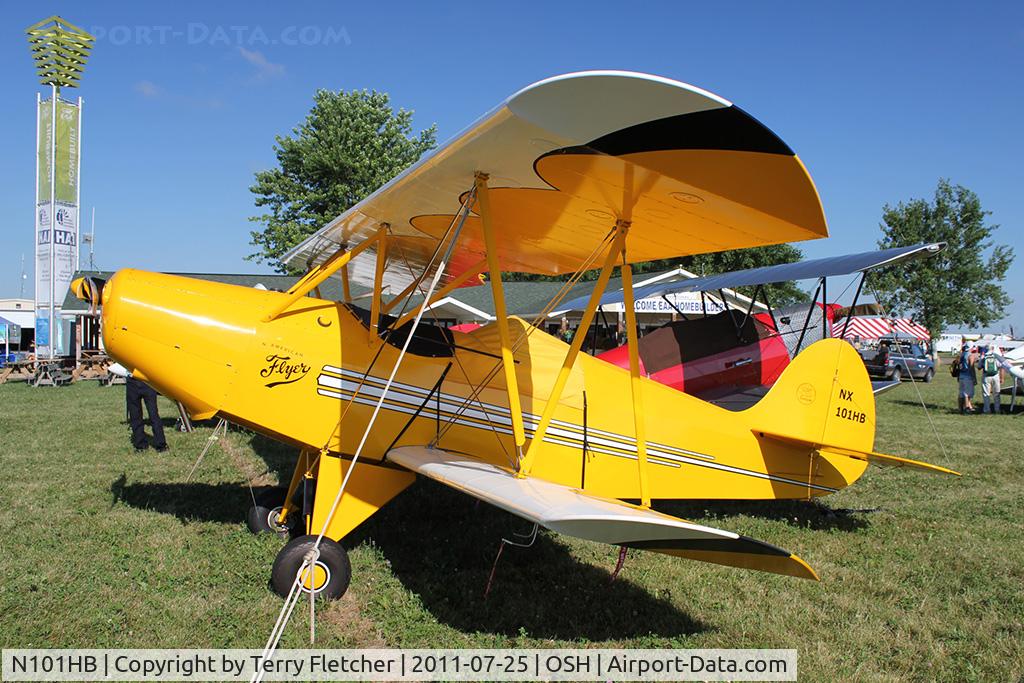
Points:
x=92, y=365
x=51, y=373
x=17, y=371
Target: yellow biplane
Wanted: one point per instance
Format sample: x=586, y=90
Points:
x=574, y=173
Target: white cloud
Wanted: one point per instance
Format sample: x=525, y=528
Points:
x=152, y=91
x=147, y=89
x=265, y=69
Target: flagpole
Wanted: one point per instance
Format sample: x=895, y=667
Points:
x=53, y=208
x=35, y=223
x=78, y=189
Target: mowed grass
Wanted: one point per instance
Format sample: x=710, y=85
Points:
x=922, y=575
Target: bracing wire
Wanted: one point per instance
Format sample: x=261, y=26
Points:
x=457, y=220
x=530, y=329
x=917, y=389
x=462, y=370
x=313, y=555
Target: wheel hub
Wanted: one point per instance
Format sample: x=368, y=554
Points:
x=274, y=520
x=321, y=577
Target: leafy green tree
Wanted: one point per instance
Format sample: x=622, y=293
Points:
x=959, y=286
x=350, y=144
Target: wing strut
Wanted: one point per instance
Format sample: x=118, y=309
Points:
x=635, y=384
x=378, y=280
x=614, y=251
x=317, y=275
x=346, y=287
x=617, y=250
x=494, y=273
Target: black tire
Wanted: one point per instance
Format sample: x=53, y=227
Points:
x=928, y=376
x=897, y=374
x=333, y=570
x=262, y=517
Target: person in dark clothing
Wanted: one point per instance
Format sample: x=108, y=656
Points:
x=137, y=392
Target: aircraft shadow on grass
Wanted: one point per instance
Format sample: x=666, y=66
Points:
x=225, y=503
x=441, y=546
x=951, y=408
x=935, y=407
x=805, y=514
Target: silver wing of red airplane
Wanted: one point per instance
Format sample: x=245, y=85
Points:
x=830, y=266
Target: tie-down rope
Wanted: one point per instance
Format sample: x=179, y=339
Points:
x=311, y=557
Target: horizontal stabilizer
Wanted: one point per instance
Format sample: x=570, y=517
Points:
x=869, y=456
x=878, y=388
x=574, y=513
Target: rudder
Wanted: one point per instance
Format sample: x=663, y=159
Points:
x=823, y=397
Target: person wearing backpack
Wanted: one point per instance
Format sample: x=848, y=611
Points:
x=991, y=379
x=966, y=379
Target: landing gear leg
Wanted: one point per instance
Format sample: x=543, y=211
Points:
x=275, y=510
x=369, y=488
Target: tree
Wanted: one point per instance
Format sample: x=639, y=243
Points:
x=958, y=286
x=350, y=144
x=779, y=294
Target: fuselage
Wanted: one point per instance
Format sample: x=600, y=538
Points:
x=313, y=376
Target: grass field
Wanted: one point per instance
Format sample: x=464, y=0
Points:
x=922, y=575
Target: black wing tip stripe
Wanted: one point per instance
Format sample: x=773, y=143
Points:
x=743, y=545
x=726, y=129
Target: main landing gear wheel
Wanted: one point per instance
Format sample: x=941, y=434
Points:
x=331, y=572
x=263, y=516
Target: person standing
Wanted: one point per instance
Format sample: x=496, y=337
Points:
x=564, y=333
x=137, y=393
x=991, y=380
x=966, y=379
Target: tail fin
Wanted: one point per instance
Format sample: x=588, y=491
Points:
x=823, y=397
x=824, y=400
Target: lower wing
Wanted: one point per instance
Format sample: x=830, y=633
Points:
x=574, y=513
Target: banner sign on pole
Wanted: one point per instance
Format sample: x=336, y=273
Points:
x=56, y=223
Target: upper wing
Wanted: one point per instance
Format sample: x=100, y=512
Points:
x=568, y=156
x=574, y=513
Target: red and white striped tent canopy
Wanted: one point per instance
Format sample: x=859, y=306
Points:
x=873, y=327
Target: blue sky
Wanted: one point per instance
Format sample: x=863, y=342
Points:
x=183, y=100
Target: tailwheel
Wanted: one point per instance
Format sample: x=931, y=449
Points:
x=331, y=572
x=265, y=515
